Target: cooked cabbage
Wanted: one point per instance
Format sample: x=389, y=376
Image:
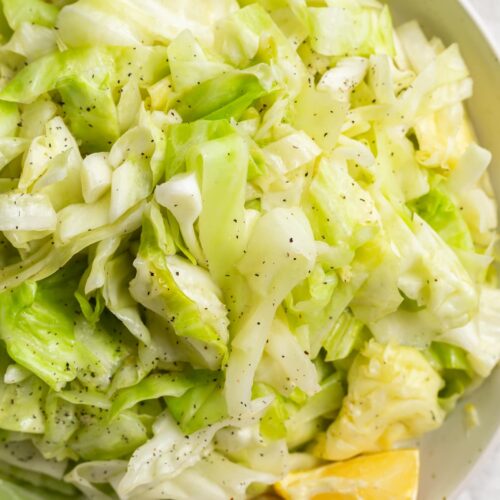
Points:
x=237, y=237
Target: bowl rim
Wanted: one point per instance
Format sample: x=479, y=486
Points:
x=473, y=13
x=470, y=9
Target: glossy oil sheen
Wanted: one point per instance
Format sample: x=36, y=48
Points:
x=449, y=455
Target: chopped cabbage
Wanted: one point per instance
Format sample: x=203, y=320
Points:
x=479, y=338
x=392, y=397
x=349, y=28
x=237, y=238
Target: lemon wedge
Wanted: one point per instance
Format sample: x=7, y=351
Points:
x=391, y=475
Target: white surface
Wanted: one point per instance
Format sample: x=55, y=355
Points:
x=484, y=484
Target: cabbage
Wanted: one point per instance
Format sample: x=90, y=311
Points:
x=35, y=116
x=24, y=492
x=470, y=168
x=31, y=41
x=11, y=148
x=455, y=369
x=237, y=238
x=352, y=29
x=60, y=424
x=345, y=337
x=52, y=256
x=174, y=451
x=344, y=77
x=152, y=387
x=442, y=291
x=85, y=79
x=415, y=45
x=98, y=472
x=224, y=96
x=291, y=152
x=250, y=34
x=181, y=195
x=37, y=328
x=178, y=290
x=439, y=210
x=305, y=421
x=80, y=80
x=118, y=300
x=214, y=477
x=96, y=177
x=346, y=225
x=23, y=477
x=221, y=165
x=320, y=113
x=272, y=424
x=479, y=337
x=21, y=406
x=201, y=405
x=130, y=184
x=32, y=11
x=10, y=119
x=279, y=255
x=22, y=454
x=296, y=365
x=100, y=440
x=124, y=23
x=392, y=396
x=53, y=165
x=181, y=138
x=79, y=218
x=26, y=212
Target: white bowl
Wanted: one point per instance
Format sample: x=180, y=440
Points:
x=450, y=454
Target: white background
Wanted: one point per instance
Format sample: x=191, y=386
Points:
x=484, y=484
